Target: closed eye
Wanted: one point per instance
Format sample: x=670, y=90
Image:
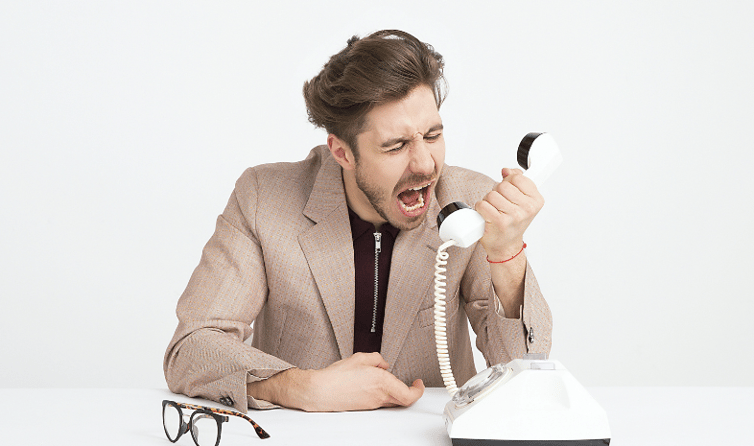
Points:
x=428, y=138
x=397, y=149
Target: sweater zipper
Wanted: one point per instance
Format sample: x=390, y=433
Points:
x=377, y=250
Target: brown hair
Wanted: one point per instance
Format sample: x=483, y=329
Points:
x=383, y=67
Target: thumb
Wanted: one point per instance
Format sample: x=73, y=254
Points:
x=375, y=359
x=508, y=171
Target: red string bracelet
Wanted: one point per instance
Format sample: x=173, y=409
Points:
x=503, y=261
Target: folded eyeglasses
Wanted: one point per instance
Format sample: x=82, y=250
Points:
x=205, y=423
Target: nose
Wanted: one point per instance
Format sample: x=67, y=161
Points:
x=422, y=162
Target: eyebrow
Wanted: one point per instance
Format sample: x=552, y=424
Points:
x=394, y=141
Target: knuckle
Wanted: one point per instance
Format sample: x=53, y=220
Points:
x=361, y=357
x=507, y=188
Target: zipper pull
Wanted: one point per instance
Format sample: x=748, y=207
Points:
x=377, y=242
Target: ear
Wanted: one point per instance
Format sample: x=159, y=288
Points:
x=341, y=152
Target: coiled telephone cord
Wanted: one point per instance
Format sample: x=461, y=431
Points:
x=441, y=339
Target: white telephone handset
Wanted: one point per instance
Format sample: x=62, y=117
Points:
x=530, y=401
x=538, y=153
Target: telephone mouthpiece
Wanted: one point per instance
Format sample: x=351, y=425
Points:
x=458, y=222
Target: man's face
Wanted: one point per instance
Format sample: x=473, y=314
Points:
x=401, y=154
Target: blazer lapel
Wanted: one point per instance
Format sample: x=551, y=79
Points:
x=328, y=248
x=411, y=280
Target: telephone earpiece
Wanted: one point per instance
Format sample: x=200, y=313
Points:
x=538, y=154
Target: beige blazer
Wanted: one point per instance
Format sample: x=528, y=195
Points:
x=281, y=258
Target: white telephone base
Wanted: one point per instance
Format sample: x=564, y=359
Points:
x=525, y=402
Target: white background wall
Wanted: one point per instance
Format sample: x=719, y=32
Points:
x=124, y=124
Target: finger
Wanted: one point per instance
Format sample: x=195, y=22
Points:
x=508, y=171
x=524, y=184
x=492, y=214
x=372, y=359
x=504, y=193
x=417, y=390
x=523, y=192
x=401, y=393
x=513, y=195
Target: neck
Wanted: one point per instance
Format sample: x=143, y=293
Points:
x=358, y=202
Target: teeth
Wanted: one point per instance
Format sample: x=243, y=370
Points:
x=419, y=187
x=418, y=205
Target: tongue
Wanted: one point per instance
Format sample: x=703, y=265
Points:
x=409, y=197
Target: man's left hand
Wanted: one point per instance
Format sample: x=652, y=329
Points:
x=508, y=210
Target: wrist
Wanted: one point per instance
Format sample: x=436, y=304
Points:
x=506, y=255
x=286, y=388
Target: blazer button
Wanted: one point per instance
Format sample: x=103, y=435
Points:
x=228, y=401
x=531, y=335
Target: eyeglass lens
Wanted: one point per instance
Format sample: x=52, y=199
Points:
x=171, y=419
x=205, y=429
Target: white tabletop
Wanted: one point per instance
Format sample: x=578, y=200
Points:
x=640, y=416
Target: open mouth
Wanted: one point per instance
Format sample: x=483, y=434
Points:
x=412, y=201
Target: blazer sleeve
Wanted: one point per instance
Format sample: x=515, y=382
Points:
x=208, y=356
x=503, y=339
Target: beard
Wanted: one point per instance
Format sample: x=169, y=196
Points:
x=382, y=200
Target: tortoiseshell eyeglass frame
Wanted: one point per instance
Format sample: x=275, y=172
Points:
x=257, y=428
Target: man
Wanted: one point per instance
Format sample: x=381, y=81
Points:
x=331, y=258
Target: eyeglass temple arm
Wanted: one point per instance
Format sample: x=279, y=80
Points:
x=261, y=433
